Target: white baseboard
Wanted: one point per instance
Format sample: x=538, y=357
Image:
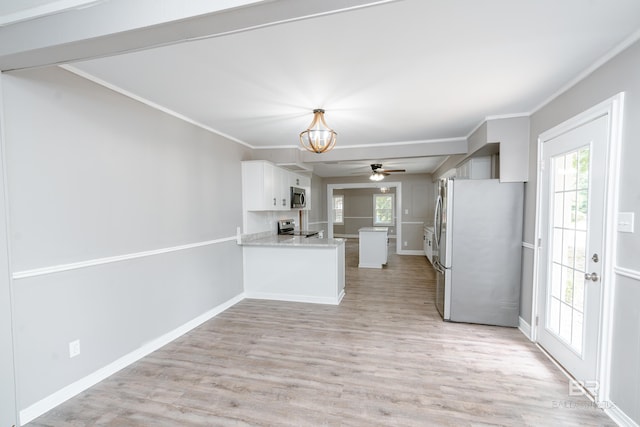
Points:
x=294, y=298
x=361, y=265
x=411, y=252
x=524, y=327
x=619, y=417
x=32, y=412
x=357, y=236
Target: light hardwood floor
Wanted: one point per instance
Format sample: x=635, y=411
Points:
x=383, y=357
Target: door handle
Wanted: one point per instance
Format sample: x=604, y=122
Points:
x=591, y=276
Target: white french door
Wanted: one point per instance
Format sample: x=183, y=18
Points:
x=572, y=211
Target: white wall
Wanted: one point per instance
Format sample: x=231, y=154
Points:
x=94, y=175
x=7, y=375
x=618, y=75
x=318, y=212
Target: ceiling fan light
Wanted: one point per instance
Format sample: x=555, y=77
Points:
x=318, y=137
x=376, y=176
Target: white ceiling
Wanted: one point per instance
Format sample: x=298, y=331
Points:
x=12, y=11
x=401, y=71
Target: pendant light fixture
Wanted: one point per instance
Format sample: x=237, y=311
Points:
x=318, y=137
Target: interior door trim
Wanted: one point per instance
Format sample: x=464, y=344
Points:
x=613, y=108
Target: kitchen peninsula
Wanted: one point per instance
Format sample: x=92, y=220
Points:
x=294, y=268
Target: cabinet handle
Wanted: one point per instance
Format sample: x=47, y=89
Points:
x=284, y=202
x=274, y=201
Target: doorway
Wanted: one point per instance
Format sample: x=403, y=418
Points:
x=398, y=206
x=575, y=231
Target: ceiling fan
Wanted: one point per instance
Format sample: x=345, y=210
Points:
x=378, y=174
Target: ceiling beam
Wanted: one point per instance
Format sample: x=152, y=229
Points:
x=445, y=147
x=118, y=26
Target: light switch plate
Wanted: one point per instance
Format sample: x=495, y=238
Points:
x=626, y=222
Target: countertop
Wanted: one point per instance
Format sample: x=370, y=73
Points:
x=374, y=229
x=293, y=241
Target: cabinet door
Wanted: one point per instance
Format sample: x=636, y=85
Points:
x=258, y=186
x=425, y=244
x=479, y=168
x=282, y=190
x=300, y=181
x=270, y=187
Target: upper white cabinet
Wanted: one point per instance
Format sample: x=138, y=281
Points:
x=301, y=181
x=267, y=187
x=263, y=187
x=475, y=168
x=511, y=135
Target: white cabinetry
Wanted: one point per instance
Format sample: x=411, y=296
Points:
x=265, y=187
x=428, y=243
x=301, y=181
x=373, y=247
x=314, y=274
x=281, y=189
x=475, y=168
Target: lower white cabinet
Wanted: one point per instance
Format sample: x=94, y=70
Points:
x=428, y=243
x=313, y=274
x=373, y=247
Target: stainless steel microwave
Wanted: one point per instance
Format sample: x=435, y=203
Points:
x=298, y=198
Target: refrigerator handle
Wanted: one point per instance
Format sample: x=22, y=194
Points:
x=438, y=267
x=437, y=221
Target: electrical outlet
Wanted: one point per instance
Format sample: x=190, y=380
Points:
x=625, y=222
x=406, y=244
x=74, y=348
x=406, y=211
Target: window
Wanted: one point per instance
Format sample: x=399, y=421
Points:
x=383, y=209
x=338, y=209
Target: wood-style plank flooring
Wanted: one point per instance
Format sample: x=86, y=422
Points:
x=383, y=357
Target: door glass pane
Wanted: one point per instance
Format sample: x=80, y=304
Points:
x=571, y=171
x=568, y=247
x=578, y=291
x=566, y=319
x=581, y=209
x=583, y=168
x=557, y=245
x=570, y=198
x=554, y=316
x=556, y=280
x=566, y=292
x=558, y=173
x=581, y=250
x=568, y=234
x=558, y=209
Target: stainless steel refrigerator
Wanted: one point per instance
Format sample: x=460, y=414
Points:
x=478, y=250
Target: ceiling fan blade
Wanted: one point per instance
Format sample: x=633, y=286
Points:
x=391, y=170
